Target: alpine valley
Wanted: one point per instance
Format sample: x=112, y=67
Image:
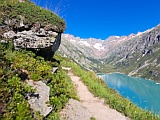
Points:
x=134, y=55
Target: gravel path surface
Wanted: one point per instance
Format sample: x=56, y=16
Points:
x=89, y=106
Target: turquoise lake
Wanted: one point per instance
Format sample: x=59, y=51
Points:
x=142, y=92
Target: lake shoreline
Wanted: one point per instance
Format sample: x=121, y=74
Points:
x=138, y=90
x=128, y=76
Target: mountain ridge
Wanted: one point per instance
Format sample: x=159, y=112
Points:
x=100, y=44
x=116, y=53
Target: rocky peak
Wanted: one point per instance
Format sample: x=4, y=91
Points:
x=112, y=38
x=98, y=46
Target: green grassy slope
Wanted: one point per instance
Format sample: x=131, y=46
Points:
x=13, y=88
x=30, y=14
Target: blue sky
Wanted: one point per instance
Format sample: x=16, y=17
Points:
x=103, y=18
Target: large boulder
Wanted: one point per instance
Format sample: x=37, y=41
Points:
x=39, y=99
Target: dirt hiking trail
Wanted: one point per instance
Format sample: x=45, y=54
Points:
x=89, y=107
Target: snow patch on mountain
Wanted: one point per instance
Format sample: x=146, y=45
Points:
x=85, y=43
x=98, y=46
x=73, y=40
x=117, y=36
x=113, y=40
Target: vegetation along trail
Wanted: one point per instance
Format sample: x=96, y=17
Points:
x=93, y=105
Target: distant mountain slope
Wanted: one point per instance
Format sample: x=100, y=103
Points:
x=136, y=54
x=87, y=52
x=79, y=51
x=139, y=56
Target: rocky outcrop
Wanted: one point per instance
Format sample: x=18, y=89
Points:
x=43, y=40
x=31, y=27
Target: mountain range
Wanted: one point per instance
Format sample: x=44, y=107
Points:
x=135, y=55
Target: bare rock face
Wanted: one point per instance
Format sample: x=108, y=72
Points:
x=43, y=40
x=38, y=101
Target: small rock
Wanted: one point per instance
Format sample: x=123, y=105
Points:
x=54, y=69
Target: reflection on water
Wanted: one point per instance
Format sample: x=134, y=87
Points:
x=144, y=93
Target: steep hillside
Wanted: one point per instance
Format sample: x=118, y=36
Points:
x=16, y=68
x=138, y=56
x=30, y=86
x=80, y=52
